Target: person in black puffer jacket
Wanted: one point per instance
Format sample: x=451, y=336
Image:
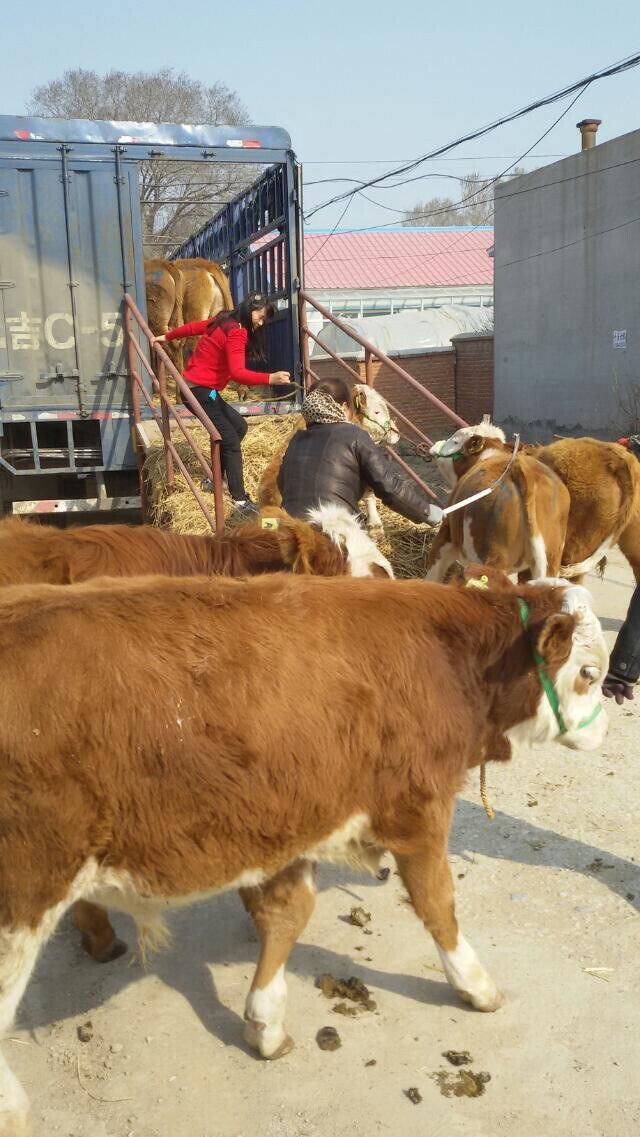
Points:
x=624, y=664
x=334, y=461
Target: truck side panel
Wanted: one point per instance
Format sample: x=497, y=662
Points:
x=62, y=280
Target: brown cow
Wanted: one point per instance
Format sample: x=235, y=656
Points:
x=334, y=545
x=190, y=788
x=32, y=553
x=164, y=288
x=603, y=480
x=519, y=527
x=205, y=293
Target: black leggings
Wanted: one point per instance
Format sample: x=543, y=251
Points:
x=232, y=428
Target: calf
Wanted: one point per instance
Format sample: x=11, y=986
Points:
x=29, y=553
x=519, y=527
x=334, y=546
x=148, y=802
x=372, y=414
x=602, y=478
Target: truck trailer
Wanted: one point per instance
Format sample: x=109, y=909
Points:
x=71, y=246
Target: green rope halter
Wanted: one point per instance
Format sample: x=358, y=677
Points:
x=547, y=684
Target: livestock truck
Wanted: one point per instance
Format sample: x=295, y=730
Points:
x=71, y=246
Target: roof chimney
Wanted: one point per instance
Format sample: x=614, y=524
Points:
x=588, y=129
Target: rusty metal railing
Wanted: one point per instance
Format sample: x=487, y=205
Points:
x=168, y=413
x=371, y=352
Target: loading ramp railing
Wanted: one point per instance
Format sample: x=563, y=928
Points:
x=371, y=353
x=168, y=414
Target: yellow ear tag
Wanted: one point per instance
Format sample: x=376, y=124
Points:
x=482, y=583
x=269, y=523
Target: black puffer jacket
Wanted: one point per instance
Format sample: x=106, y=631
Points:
x=335, y=463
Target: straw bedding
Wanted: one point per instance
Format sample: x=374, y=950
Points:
x=405, y=545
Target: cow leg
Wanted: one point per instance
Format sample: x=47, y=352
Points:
x=629, y=543
x=98, y=937
x=18, y=951
x=442, y=555
x=427, y=878
x=281, y=909
x=374, y=521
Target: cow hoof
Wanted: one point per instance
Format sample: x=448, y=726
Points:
x=270, y=1049
x=488, y=1000
x=114, y=950
x=285, y=1047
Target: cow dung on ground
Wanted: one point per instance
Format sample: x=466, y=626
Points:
x=406, y=545
x=463, y=1084
x=352, y=989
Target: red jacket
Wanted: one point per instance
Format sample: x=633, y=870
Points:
x=219, y=356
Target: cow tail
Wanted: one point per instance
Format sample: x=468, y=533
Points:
x=223, y=284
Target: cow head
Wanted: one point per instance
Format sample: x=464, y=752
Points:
x=363, y=555
x=571, y=659
x=456, y=454
x=372, y=413
x=565, y=657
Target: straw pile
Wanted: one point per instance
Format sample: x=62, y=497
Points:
x=405, y=545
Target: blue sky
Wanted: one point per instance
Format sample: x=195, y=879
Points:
x=360, y=85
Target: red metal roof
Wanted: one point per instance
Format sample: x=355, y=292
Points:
x=398, y=258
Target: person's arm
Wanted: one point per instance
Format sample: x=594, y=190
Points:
x=236, y=347
x=392, y=486
x=624, y=664
x=195, y=328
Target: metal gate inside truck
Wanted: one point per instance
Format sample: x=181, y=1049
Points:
x=70, y=247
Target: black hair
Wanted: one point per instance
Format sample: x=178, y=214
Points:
x=241, y=314
x=339, y=390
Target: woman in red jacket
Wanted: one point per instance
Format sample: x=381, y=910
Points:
x=219, y=358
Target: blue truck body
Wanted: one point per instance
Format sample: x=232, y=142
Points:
x=70, y=246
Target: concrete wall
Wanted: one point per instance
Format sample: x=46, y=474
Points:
x=567, y=276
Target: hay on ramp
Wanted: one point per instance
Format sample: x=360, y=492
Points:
x=405, y=545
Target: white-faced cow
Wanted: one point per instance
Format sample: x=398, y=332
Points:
x=602, y=478
x=519, y=527
x=156, y=776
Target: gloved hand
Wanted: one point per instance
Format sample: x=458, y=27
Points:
x=616, y=688
x=435, y=515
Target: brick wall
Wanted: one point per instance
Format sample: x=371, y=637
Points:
x=460, y=376
x=474, y=376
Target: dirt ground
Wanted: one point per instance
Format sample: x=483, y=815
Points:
x=548, y=894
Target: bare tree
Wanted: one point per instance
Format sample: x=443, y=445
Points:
x=176, y=197
x=473, y=207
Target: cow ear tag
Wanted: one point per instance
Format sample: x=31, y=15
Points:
x=269, y=523
x=482, y=583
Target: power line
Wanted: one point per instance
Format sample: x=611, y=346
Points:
x=397, y=161
x=570, y=244
x=621, y=66
x=487, y=185
x=313, y=257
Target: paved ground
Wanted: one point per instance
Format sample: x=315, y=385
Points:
x=546, y=892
